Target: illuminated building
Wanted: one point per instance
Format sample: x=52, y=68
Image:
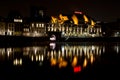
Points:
x=26, y=27
x=14, y=24
x=74, y=26
x=38, y=22
x=38, y=28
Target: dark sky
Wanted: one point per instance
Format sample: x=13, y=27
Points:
x=103, y=10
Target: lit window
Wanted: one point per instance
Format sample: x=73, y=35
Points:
x=36, y=25
x=32, y=24
x=42, y=25
x=17, y=20
x=39, y=25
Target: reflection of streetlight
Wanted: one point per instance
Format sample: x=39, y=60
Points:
x=53, y=38
x=52, y=45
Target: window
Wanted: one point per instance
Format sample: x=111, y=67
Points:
x=42, y=25
x=37, y=25
x=32, y=24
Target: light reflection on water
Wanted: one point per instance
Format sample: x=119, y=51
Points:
x=77, y=56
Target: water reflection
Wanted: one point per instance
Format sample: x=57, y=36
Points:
x=116, y=48
x=77, y=56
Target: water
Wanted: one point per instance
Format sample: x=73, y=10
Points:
x=63, y=61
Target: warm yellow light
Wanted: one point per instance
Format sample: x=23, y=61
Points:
x=60, y=59
x=85, y=18
x=53, y=62
x=75, y=19
x=92, y=23
x=53, y=19
x=63, y=64
x=85, y=62
x=74, y=62
x=62, y=18
x=91, y=59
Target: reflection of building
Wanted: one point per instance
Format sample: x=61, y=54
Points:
x=61, y=56
x=35, y=53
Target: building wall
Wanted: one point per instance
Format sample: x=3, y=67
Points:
x=80, y=30
x=2, y=28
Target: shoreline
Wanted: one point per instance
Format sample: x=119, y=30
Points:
x=46, y=39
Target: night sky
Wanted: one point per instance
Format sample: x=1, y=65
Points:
x=103, y=10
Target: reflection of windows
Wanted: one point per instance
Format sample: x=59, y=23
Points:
x=26, y=30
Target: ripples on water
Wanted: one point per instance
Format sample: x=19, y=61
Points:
x=60, y=61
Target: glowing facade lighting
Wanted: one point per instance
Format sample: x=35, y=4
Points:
x=75, y=19
x=85, y=18
x=63, y=18
x=92, y=23
x=54, y=19
x=85, y=62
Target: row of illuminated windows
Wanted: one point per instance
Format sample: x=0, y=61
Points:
x=71, y=29
x=37, y=25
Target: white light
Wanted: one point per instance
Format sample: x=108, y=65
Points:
x=17, y=20
x=52, y=45
x=93, y=47
x=63, y=33
x=53, y=38
x=78, y=12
